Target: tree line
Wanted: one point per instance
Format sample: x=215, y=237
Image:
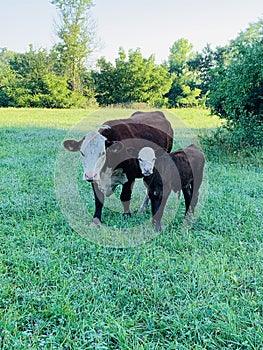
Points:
x=228, y=79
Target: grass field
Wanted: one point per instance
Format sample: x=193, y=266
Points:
x=198, y=287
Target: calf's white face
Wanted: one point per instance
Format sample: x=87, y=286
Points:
x=146, y=159
x=93, y=155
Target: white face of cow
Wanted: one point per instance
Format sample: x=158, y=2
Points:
x=93, y=153
x=146, y=159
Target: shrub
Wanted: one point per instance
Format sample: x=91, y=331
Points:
x=237, y=95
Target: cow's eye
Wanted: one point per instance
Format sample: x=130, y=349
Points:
x=83, y=155
x=140, y=159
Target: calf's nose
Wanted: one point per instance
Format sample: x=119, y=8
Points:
x=147, y=172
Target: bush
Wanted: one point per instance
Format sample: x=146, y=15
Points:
x=237, y=95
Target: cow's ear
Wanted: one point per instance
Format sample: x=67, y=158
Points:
x=116, y=147
x=132, y=152
x=73, y=145
x=159, y=152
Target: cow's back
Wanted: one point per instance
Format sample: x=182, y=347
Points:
x=155, y=119
x=144, y=126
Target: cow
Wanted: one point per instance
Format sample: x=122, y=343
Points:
x=163, y=173
x=106, y=161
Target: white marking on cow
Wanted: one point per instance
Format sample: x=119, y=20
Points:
x=146, y=159
x=93, y=153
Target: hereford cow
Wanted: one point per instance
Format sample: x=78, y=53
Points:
x=106, y=161
x=163, y=173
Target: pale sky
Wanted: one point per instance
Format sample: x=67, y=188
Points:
x=152, y=25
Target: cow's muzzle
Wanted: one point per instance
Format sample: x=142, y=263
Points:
x=147, y=172
x=90, y=176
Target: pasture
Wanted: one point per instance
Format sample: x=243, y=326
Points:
x=189, y=287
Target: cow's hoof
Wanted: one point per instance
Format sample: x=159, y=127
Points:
x=96, y=221
x=157, y=226
x=126, y=215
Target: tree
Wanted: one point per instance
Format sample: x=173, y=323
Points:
x=252, y=33
x=236, y=92
x=28, y=80
x=132, y=79
x=205, y=65
x=184, y=90
x=180, y=53
x=6, y=76
x=77, y=39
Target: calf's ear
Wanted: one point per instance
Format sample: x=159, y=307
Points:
x=73, y=145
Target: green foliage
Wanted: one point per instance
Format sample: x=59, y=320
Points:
x=76, y=39
x=253, y=33
x=222, y=145
x=57, y=79
x=184, y=91
x=30, y=80
x=132, y=79
x=180, y=52
x=236, y=93
x=204, y=63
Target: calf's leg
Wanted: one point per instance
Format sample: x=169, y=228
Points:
x=188, y=193
x=158, y=204
x=144, y=205
x=196, y=186
x=125, y=197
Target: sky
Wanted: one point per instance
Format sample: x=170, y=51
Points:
x=151, y=25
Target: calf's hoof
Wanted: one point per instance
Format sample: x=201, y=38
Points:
x=126, y=215
x=96, y=221
x=142, y=211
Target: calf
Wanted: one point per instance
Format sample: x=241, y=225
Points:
x=163, y=173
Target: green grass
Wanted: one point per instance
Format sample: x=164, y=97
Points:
x=197, y=118
x=198, y=287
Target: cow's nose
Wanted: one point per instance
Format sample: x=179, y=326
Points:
x=90, y=176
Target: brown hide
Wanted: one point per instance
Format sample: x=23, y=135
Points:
x=149, y=126
x=142, y=129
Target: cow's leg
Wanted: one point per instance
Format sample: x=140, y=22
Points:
x=99, y=201
x=125, y=198
x=188, y=193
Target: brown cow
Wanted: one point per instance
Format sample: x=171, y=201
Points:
x=180, y=170
x=105, y=151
